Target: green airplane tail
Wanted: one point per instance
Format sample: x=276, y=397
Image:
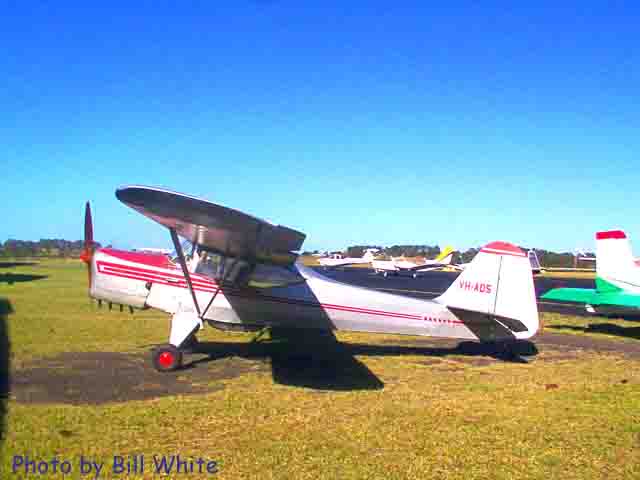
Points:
x=605, y=294
x=577, y=295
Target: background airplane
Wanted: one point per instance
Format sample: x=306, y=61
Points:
x=339, y=261
x=397, y=265
x=617, y=278
x=240, y=273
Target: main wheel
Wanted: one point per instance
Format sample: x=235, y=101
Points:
x=166, y=358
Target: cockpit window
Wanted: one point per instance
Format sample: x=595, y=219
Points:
x=267, y=276
x=220, y=268
x=188, y=250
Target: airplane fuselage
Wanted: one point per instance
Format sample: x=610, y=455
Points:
x=309, y=300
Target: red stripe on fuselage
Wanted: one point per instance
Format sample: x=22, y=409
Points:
x=152, y=275
x=155, y=276
x=168, y=273
x=150, y=259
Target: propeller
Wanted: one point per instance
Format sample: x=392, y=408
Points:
x=89, y=245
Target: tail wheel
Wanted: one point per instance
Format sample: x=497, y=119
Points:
x=166, y=358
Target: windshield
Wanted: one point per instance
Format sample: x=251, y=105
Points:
x=187, y=249
x=267, y=276
x=221, y=268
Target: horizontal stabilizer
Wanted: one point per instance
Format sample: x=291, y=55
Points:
x=577, y=295
x=593, y=297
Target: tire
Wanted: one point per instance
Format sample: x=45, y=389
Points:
x=166, y=358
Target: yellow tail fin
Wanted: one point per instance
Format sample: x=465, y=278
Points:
x=446, y=251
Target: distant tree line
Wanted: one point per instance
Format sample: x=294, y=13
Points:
x=45, y=247
x=55, y=247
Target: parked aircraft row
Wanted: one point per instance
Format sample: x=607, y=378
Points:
x=398, y=265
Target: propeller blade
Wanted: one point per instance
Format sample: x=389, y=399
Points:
x=89, y=245
x=88, y=227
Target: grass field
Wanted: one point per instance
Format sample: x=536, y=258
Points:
x=371, y=407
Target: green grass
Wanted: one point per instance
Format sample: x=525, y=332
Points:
x=593, y=326
x=435, y=417
x=54, y=314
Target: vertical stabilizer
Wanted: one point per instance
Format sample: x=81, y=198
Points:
x=614, y=258
x=498, y=283
x=534, y=262
x=446, y=255
x=369, y=254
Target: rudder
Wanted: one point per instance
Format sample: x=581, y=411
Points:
x=614, y=257
x=499, y=283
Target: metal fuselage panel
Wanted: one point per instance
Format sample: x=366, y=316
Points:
x=117, y=281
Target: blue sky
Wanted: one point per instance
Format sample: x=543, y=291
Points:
x=358, y=122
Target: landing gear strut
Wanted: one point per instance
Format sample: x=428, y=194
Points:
x=166, y=358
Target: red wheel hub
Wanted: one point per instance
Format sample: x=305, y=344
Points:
x=166, y=359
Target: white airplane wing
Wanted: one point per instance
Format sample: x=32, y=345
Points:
x=221, y=229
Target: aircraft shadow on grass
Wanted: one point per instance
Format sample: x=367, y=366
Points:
x=5, y=311
x=17, y=264
x=316, y=359
x=12, y=278
x=605, y=328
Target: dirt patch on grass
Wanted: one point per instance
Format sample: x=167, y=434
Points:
x=102, y=377
x=477, y=362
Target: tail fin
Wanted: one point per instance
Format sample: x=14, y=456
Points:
x=498, y=283
x=446, y=255
x=534, y=262
x=614, y=258
x=369, y=254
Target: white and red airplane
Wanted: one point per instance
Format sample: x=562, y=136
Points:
x=240, y=272
x=397, y=265
x=340, y=261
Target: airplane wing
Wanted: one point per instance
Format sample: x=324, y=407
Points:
x=221, y=229
x=426, y=267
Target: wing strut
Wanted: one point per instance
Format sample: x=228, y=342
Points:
x=185, y=270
